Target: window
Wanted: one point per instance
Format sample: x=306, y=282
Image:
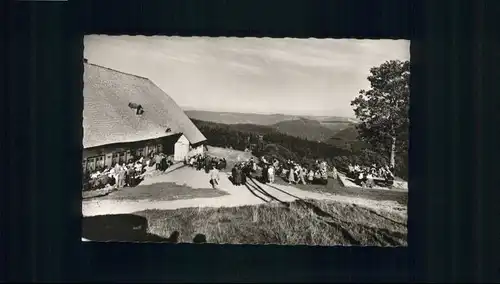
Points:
x=122, y=157
x=100, y=162
x=139, y=152
x=91, y=164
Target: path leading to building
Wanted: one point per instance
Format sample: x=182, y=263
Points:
x=253, y=193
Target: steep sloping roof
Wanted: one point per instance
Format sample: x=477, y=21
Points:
x=108, y=119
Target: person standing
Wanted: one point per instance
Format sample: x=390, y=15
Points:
x=291, y=177
x=310, y=176
x=121, y=176
x=238, y=178
x=116, y=171
x=214, y=177
x=270, y=174
x=302, y=174
x=335, y=173
x=265, y=173
x=233, y=174
x=157, y=159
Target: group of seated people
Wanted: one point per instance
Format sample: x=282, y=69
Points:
x=202, y=161
x=124, y=174
x=371, y=176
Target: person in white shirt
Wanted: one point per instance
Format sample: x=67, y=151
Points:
x=334, y=173
x=214, y=177
x=270, y=174
x=369, y=180
x=138, y=167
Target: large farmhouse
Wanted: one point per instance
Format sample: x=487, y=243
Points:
x=127, y=116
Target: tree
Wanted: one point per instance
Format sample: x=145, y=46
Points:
x=383, y=110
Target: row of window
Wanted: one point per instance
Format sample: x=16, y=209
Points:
x=109, y=160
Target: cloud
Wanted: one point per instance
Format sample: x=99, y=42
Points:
x=241, y=74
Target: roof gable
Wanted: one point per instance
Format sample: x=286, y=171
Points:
x=107, y=118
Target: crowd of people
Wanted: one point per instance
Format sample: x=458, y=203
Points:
x=371, y=176
x=242, y=170
x=211, y=165
x=306, y=174
x=290, y=171
x=130, y=174
x=205, y=162
x=125, y=174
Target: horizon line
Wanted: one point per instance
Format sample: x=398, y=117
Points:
x=188, y=108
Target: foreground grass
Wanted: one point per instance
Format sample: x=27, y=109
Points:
x=162, y=191
x=297, y=223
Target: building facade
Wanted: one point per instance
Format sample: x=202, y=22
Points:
x=115, y=131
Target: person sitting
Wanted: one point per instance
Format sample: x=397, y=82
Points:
x=324, y=177
x=360, y=178
x=357, y=168
x=389, y=177
x=369, y=180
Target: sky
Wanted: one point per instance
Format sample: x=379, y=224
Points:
x=256, y=75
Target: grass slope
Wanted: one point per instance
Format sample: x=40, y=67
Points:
x=296, y=223
x=162, y=192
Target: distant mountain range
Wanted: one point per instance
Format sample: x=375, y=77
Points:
x=314, y=128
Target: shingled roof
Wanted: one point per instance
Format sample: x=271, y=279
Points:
x=108, y=119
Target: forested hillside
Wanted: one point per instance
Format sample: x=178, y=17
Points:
x=282, y=146
x=305, y=128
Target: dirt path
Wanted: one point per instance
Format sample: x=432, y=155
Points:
x=251, y=194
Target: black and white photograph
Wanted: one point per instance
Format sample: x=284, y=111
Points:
x=257, y=141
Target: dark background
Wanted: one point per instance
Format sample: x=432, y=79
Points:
x=452, y=226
